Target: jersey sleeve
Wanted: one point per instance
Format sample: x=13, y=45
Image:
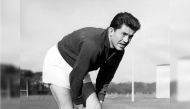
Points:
x=106, y=74
x=86, y=58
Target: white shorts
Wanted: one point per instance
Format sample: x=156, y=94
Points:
x=55, y=69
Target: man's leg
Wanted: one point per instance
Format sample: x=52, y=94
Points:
x=92, y=101
x=62, y=97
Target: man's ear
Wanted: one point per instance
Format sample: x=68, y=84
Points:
x=111, y=31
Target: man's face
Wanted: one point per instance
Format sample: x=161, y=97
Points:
x=120, y=38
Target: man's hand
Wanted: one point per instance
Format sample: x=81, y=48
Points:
x=80, y=106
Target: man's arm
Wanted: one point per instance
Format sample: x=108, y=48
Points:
x=87, y=56
x=105, y=75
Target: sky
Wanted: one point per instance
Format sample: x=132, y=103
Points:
x=30, y=27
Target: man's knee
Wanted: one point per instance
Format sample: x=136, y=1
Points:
x=92, y=100
x=93, y=103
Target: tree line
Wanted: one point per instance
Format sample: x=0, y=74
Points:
x=16, y=81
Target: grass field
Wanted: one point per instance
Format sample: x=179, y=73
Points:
x=118, y=102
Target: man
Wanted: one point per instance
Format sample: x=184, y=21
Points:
x=67, y=65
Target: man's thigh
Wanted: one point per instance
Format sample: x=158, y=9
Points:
x=62, y=96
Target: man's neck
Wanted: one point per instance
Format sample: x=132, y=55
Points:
x=110, y=42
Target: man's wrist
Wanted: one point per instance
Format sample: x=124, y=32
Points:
x=101, y=96
x=78, y=100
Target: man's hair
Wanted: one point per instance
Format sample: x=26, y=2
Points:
x=127, y=19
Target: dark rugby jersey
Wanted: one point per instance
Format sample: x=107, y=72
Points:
x=85, y=50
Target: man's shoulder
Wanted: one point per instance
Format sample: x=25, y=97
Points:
x=92, y=29
x=92, y=34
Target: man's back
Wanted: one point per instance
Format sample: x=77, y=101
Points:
x=71, y=44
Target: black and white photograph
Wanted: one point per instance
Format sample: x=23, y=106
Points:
x=95, y=54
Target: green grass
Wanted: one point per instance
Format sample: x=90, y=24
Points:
x=116, y=102
x=10, y=103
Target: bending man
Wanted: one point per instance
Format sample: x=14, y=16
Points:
x=68, y=63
